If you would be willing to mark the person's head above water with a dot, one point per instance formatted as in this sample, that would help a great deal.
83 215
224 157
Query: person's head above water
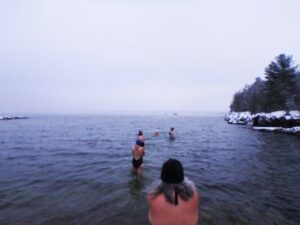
140 133
173 199
139 143
172 172
172 128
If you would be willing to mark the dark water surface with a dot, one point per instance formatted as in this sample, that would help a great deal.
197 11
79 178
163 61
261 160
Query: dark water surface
76 170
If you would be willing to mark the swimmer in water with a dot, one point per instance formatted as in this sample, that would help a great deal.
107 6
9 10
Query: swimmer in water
140 136
172 133
156 133
138 152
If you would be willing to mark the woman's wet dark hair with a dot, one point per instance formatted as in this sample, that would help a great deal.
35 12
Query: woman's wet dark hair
139 143
140 133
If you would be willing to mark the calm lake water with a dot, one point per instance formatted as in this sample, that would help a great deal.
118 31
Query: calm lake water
77 170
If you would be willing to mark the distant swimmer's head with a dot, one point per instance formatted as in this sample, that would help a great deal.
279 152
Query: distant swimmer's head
172 172
140 133
139 143
172 129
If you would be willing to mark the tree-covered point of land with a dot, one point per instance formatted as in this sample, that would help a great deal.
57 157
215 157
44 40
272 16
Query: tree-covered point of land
279 91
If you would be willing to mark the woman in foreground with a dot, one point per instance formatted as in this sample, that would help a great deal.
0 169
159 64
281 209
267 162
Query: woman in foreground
174 200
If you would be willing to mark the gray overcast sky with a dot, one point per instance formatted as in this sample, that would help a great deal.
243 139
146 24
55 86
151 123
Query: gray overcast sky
88 56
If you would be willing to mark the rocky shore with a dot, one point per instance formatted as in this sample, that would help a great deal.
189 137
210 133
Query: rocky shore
280 121
12 117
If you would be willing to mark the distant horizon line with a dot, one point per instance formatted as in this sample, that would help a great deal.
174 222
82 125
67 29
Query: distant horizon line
126 112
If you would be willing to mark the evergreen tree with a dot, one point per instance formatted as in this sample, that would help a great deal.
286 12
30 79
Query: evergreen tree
280 90
256 94
297 94
281 84
240 101
250 98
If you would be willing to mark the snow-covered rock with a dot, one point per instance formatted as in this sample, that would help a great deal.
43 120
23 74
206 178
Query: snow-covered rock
277 119
294 130
281 121
268 128
238 117
12 117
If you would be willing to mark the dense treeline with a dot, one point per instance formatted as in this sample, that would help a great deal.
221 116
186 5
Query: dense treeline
279 91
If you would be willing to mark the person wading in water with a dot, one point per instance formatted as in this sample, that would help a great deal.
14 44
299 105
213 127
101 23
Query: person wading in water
174 199
138 152
140 136
172 133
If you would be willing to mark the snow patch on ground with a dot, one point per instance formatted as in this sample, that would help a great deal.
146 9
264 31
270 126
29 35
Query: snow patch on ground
285 130
247 118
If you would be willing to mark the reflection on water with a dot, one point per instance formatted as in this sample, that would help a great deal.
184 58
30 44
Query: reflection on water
77 170
136 184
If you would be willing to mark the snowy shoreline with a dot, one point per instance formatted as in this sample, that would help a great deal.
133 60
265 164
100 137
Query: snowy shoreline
12 117
279 121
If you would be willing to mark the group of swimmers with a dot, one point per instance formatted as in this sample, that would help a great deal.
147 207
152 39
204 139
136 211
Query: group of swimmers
173 200
138 150
171 133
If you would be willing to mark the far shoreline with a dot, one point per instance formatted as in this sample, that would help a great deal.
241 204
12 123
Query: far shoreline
121 113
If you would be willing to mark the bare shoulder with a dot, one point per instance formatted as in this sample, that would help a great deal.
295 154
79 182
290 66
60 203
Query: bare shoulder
150 200
148 197
196 195
195 198
156 203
